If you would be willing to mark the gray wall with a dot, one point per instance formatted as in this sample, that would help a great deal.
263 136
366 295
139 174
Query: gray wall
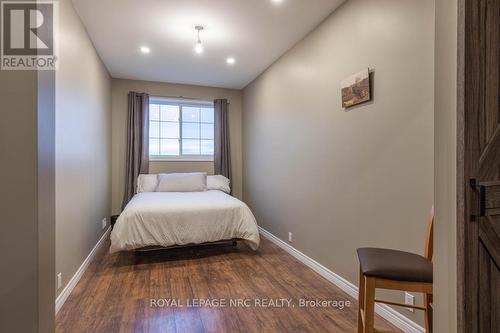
83 145
27 201
46 200
340 180
445 256
120 90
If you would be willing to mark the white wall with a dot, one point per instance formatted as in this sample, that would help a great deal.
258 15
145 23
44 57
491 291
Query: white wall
83 145
340 180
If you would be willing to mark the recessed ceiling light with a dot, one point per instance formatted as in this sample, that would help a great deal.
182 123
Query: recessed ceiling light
230 61
277 1
145 49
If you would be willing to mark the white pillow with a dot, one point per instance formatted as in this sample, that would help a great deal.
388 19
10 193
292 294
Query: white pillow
147 183
182 182
218 182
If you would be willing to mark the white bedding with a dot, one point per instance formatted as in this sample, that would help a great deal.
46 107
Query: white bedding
180 218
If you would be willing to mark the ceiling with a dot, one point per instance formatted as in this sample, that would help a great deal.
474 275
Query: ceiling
254 32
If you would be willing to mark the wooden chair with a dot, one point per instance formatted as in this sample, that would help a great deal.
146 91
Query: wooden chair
394 270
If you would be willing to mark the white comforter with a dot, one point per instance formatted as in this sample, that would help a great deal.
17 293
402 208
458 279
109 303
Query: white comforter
174 218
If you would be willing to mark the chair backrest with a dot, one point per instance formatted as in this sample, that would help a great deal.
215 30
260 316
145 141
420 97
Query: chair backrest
429 241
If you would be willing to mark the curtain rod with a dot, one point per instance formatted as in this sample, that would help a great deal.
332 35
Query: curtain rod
186 98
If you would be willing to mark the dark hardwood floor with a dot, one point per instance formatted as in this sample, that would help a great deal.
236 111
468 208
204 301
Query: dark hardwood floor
116 292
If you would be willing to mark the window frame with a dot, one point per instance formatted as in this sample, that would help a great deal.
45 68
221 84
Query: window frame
181 103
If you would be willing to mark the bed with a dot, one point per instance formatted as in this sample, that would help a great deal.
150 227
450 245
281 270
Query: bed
168 219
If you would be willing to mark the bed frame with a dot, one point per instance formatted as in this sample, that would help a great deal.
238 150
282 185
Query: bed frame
233 241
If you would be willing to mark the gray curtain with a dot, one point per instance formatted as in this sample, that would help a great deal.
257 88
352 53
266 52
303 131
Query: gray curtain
222 153
137 142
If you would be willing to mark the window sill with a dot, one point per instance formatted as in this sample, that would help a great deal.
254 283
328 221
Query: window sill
181 159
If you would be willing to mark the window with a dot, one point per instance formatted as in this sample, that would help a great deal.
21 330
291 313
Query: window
181 129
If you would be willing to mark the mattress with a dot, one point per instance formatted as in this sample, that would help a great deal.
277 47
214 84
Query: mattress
182 218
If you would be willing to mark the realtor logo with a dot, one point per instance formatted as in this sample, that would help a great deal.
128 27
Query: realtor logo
28 35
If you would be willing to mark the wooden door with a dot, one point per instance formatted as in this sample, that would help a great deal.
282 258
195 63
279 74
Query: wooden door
479 157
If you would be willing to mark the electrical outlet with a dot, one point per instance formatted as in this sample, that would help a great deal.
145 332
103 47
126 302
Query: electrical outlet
290 237
104 223
410 300
59 281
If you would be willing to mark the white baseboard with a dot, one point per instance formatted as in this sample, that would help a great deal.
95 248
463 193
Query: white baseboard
63 296
386 312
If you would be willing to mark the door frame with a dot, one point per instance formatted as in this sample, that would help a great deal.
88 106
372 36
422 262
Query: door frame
461 182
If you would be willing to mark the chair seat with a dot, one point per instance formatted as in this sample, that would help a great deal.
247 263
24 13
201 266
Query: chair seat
395 265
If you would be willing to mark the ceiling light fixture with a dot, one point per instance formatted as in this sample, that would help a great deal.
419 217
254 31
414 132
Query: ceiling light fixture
277 1
145 49
198 48
230 61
